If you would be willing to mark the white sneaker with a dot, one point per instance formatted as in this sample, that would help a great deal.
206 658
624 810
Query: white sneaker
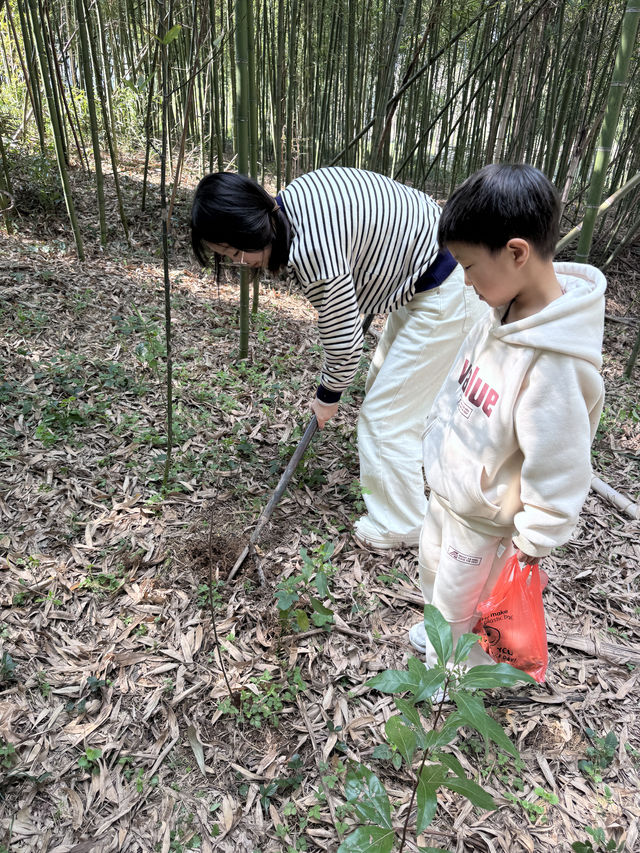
367 535
418 637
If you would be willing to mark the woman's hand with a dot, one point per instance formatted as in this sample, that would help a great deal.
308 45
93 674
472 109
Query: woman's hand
323 411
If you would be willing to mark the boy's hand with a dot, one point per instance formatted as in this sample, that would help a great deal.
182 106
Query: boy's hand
323 411
526 559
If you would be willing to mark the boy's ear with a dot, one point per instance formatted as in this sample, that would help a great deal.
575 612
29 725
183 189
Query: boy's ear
519 250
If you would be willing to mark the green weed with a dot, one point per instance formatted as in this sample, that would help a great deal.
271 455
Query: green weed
600 840
216 594
8 756
151 347
282 784
101 583
315 574
599 755
408 735
263 703
534 809
142 781
89 760
7 668
43 685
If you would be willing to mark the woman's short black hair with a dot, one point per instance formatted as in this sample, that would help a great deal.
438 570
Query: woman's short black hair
233 209
500 202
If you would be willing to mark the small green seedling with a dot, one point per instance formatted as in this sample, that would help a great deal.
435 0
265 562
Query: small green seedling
312 585
89 760
7 668
421 732
599 756
8 756
601 842
266 704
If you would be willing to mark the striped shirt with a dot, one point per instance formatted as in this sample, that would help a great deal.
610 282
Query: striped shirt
359 243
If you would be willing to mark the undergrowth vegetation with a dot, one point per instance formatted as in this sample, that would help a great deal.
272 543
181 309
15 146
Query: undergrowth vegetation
334 736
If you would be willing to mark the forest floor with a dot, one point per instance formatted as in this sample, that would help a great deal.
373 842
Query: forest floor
116 733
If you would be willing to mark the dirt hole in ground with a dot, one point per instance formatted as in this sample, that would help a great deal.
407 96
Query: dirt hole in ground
217 553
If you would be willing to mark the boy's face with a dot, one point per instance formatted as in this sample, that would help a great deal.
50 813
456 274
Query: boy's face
493 275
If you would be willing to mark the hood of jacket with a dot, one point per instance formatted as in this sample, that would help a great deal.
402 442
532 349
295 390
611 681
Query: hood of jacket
560 326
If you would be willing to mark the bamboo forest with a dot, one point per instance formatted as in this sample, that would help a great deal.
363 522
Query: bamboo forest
207 637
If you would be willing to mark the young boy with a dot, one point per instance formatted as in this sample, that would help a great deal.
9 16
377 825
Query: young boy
507 443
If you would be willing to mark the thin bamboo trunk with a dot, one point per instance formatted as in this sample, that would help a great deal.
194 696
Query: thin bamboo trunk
106 77
164 27
93 119
55 126
28 69
51 63
106 119
57 79
629 237
291 93
252 94
148 125
6 198
242 123
627 39
600 211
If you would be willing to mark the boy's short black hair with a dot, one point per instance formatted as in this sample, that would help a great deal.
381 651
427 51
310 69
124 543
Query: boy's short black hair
500 202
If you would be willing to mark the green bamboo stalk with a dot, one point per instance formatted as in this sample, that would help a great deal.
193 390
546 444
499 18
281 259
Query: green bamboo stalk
279 93
93 118
148 122
627 39
629 237
291 92
58 85
252 95
421 71
28 69
51 63
252 99
55 124
380 138
453 94
350 73
632 358
6 198
242 40
106 77
600 211
98 70
164 25
196 37
216 119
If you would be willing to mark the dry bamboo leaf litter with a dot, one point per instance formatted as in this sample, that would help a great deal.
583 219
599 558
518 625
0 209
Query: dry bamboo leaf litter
101 580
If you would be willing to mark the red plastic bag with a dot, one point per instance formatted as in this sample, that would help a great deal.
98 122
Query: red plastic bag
511 624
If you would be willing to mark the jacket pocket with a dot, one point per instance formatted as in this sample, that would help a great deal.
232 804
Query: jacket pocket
453 475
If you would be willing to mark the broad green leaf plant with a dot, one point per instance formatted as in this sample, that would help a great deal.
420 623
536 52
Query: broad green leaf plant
421 732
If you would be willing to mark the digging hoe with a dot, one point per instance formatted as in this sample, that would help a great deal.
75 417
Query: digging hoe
284 479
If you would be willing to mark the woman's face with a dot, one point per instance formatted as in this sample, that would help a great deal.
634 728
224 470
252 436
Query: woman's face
257 260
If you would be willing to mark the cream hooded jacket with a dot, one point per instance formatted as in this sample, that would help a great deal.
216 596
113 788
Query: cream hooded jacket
507 443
